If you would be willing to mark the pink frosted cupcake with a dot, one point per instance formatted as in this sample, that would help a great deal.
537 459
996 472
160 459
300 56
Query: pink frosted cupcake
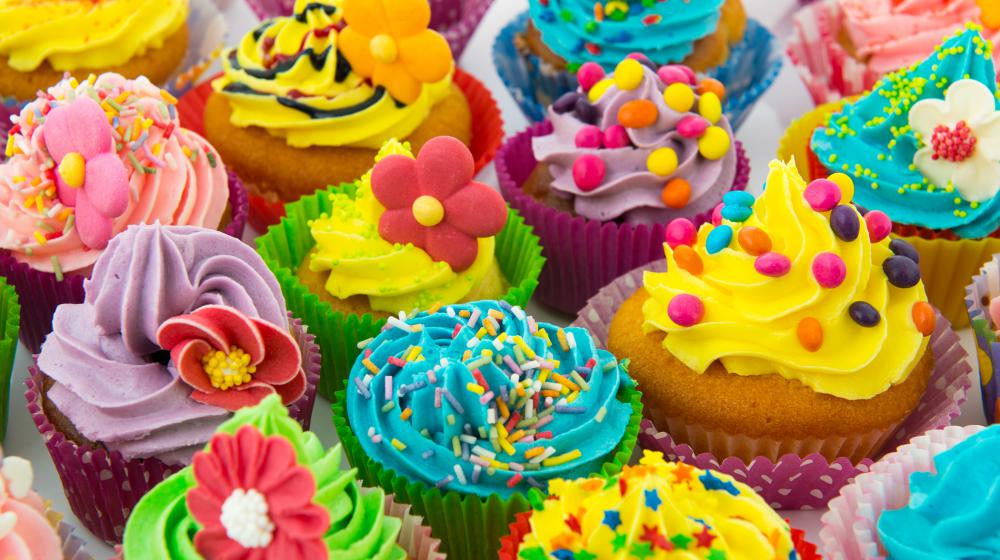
84 161
842 47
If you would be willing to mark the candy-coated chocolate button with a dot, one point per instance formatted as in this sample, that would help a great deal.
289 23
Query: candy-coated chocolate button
628 74
588 172
681 231
585 111
738 198
589 74
829 270
711 85
717 214
638 113
736 213
902 272
615 136
822 195
566 103
845 223
810 333
686 310
589 137
714 143
718 239
904 249
692 126
595 93
688 259
679 97
710 107
924 317
673 73
846 185
754 241
662 161
676 193
864 314
772 264
879 225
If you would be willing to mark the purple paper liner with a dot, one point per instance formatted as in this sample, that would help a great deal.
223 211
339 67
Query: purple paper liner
41 292
984 287
101 486
456 20
582 255
794 481
73 546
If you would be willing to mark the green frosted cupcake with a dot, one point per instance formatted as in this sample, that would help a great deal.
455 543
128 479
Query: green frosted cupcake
10 318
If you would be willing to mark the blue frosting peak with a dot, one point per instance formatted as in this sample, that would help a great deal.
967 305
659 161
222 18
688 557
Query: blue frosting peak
872 140
481 399
953 514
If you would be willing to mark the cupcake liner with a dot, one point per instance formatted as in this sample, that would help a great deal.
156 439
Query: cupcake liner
800 478
582 255
487 135
414 537
984 287
753 66
456 20
849 529
73 546
43 291
510 544
10 319
207 34
101 486
469 527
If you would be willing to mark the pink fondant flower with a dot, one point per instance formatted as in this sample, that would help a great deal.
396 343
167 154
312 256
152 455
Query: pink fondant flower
231 360
254 501
90 176
433 203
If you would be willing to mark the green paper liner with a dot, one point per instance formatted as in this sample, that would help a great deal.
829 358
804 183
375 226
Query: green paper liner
10 320
469 527
285 245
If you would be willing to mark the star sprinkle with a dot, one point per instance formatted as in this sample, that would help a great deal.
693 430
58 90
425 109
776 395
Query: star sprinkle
574 524
618 542
704 538
612 519
651 534
716 554
563 554
712 482
683 472
641 550
585 555
681 541
653 500
533 553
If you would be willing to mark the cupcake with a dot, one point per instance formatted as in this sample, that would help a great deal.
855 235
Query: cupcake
264 488
982 298
29 529
656 510
10 319
180 327
466 411
415 233
843 47
828 288
920 148
933 498
40 41
85 161
321 90
539 52
614 161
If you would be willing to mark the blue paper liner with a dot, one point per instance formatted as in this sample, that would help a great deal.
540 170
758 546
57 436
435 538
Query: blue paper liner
753 65
984 287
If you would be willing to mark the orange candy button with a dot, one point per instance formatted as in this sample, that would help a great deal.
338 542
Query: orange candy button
754 241
712 85
686 258
638 113
810 334
676 193
924 317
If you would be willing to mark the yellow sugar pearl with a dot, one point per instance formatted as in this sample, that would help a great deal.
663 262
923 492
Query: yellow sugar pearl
598 90
662 162
428 211
846 185
714 143
383 49
679 97
710 107
72 169
628 74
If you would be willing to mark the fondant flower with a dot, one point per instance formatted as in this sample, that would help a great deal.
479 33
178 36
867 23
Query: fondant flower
254 501
231 360
961 140
388 42
433 203
89 175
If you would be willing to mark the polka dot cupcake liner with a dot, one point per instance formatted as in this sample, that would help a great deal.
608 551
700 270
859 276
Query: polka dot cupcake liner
42 291
850 526
788 474
100 485
984 287
582 255
10 319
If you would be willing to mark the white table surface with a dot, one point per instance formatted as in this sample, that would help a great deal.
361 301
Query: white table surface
760 134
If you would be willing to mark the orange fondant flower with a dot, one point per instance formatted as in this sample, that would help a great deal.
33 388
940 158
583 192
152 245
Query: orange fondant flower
388 42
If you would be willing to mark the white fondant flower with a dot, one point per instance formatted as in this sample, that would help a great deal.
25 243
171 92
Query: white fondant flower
961 140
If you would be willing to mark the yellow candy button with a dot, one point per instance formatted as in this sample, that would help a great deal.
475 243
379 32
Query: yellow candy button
72 169
710 107
428 211
628 74
662 162
714 143
846 185
383 49
598 90
679 97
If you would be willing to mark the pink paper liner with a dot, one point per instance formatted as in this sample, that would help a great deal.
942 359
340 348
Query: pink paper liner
582 255
456 20
849 528
795 480
41 292
101 486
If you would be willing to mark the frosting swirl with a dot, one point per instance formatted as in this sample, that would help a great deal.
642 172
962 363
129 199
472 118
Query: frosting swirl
483 400
881 139
137 404
951 513
162 527
174 176
289 77
638 159
27 526
72 34
807 291
666 32
652 509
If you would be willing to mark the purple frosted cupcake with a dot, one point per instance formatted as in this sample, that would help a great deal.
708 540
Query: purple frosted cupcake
615 162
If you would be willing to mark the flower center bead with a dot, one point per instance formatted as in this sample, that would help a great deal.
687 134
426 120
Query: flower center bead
227 370
953 144
383 49
246 520
428 211
72 169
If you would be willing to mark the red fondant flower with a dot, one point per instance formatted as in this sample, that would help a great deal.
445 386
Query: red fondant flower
89 175
433 203
254 501
231 360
